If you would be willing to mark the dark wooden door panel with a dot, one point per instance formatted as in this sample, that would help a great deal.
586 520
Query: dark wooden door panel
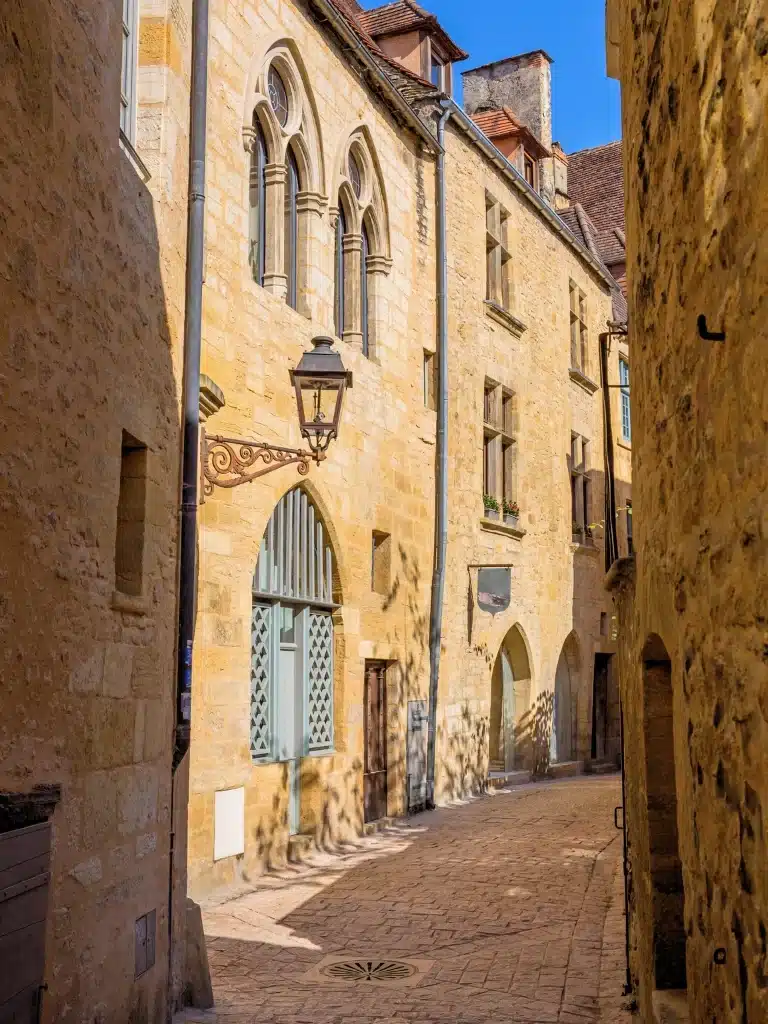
24 883
375 764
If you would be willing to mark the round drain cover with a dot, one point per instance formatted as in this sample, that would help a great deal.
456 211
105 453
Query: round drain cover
369 970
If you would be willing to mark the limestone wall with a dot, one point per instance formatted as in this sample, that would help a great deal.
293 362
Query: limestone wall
89 330
694 95
379 475
556 588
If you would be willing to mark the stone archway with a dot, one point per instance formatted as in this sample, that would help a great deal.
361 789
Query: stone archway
510 700
563 744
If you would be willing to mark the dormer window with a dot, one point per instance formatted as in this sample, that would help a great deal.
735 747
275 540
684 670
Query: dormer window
437 75
529 170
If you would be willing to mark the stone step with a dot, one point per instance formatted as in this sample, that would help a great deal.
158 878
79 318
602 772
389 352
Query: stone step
370 828
299 846
600 767
564 769
498 780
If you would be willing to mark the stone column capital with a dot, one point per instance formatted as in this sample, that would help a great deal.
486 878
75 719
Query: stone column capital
310 202
353 244
380 265
275 174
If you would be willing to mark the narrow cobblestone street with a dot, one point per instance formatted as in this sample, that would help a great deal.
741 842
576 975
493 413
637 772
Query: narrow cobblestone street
508 908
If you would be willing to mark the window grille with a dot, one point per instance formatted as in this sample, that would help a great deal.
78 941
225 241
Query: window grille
261 674
320 682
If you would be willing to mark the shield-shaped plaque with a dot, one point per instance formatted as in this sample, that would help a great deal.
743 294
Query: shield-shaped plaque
493 590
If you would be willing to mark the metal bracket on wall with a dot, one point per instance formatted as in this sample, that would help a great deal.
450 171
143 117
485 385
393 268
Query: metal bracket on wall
231 461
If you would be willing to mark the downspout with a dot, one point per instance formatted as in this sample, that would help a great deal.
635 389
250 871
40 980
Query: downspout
193 304
441 483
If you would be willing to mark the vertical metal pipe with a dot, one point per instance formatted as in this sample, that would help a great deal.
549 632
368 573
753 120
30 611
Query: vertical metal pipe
193 305
190 459
441 482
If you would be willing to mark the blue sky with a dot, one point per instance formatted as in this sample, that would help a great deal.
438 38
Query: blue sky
586 104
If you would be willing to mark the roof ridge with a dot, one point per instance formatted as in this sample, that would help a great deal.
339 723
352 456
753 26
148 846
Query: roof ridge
593 149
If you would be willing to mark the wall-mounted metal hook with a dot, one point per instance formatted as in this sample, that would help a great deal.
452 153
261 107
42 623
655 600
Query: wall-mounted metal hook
706 334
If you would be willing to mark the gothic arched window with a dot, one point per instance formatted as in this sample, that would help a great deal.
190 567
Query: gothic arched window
340 270
291 241
257 206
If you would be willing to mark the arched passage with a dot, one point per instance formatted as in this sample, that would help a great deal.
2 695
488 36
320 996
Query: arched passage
565 717
295 596
510 699
663 849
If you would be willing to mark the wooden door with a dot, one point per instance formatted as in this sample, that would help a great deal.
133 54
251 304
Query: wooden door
375 766
24 878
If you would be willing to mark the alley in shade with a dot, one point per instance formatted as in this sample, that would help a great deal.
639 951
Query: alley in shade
508 908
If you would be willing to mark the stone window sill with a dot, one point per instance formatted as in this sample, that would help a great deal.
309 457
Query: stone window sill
132 604
138 164
585 547
496 526
583 380
505 318
622 443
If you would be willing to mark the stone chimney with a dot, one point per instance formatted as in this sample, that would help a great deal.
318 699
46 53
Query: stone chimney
524 84
560 167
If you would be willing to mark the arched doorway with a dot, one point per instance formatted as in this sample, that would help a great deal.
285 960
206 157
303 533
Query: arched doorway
292 641
664 853
563 742
510 699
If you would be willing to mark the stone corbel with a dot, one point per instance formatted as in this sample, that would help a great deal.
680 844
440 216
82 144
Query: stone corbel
249 137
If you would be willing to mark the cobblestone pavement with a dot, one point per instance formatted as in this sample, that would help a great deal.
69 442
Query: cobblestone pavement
509 907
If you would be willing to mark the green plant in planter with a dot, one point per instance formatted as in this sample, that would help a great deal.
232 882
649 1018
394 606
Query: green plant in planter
490 503
511 508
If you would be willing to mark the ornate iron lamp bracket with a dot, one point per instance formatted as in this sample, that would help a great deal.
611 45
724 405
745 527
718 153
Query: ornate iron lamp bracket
230 461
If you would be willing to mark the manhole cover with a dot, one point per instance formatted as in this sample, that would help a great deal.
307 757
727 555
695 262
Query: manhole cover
369 970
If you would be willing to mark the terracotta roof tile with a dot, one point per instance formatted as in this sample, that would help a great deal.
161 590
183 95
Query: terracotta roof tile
501 123
596 180
405 16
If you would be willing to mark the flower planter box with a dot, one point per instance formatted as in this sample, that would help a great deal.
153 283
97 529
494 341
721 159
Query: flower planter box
491 513
511 520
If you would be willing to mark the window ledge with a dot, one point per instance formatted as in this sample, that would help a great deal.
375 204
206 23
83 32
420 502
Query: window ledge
583 380
133 604
622 443
505 318
585 548
496 526
139 165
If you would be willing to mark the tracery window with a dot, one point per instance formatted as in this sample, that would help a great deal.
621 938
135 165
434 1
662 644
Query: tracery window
361 246
286 176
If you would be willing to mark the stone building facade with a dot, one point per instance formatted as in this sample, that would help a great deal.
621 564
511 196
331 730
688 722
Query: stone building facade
692 604
311 690
91 259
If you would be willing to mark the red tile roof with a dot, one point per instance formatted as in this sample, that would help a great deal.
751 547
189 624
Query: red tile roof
596 181
501 123
405 16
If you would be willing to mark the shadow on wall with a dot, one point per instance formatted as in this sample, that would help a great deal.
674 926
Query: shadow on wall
464 768
534 732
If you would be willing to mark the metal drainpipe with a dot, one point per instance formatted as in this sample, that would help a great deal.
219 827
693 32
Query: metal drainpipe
193 304
441 496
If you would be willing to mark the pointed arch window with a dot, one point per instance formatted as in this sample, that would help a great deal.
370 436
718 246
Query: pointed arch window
340 269
364 305
291 249
292 635
257 205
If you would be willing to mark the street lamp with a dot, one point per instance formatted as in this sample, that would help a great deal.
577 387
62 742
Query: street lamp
320 381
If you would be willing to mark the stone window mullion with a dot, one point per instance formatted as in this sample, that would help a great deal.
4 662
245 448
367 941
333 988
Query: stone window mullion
353 254
275 280
309 207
